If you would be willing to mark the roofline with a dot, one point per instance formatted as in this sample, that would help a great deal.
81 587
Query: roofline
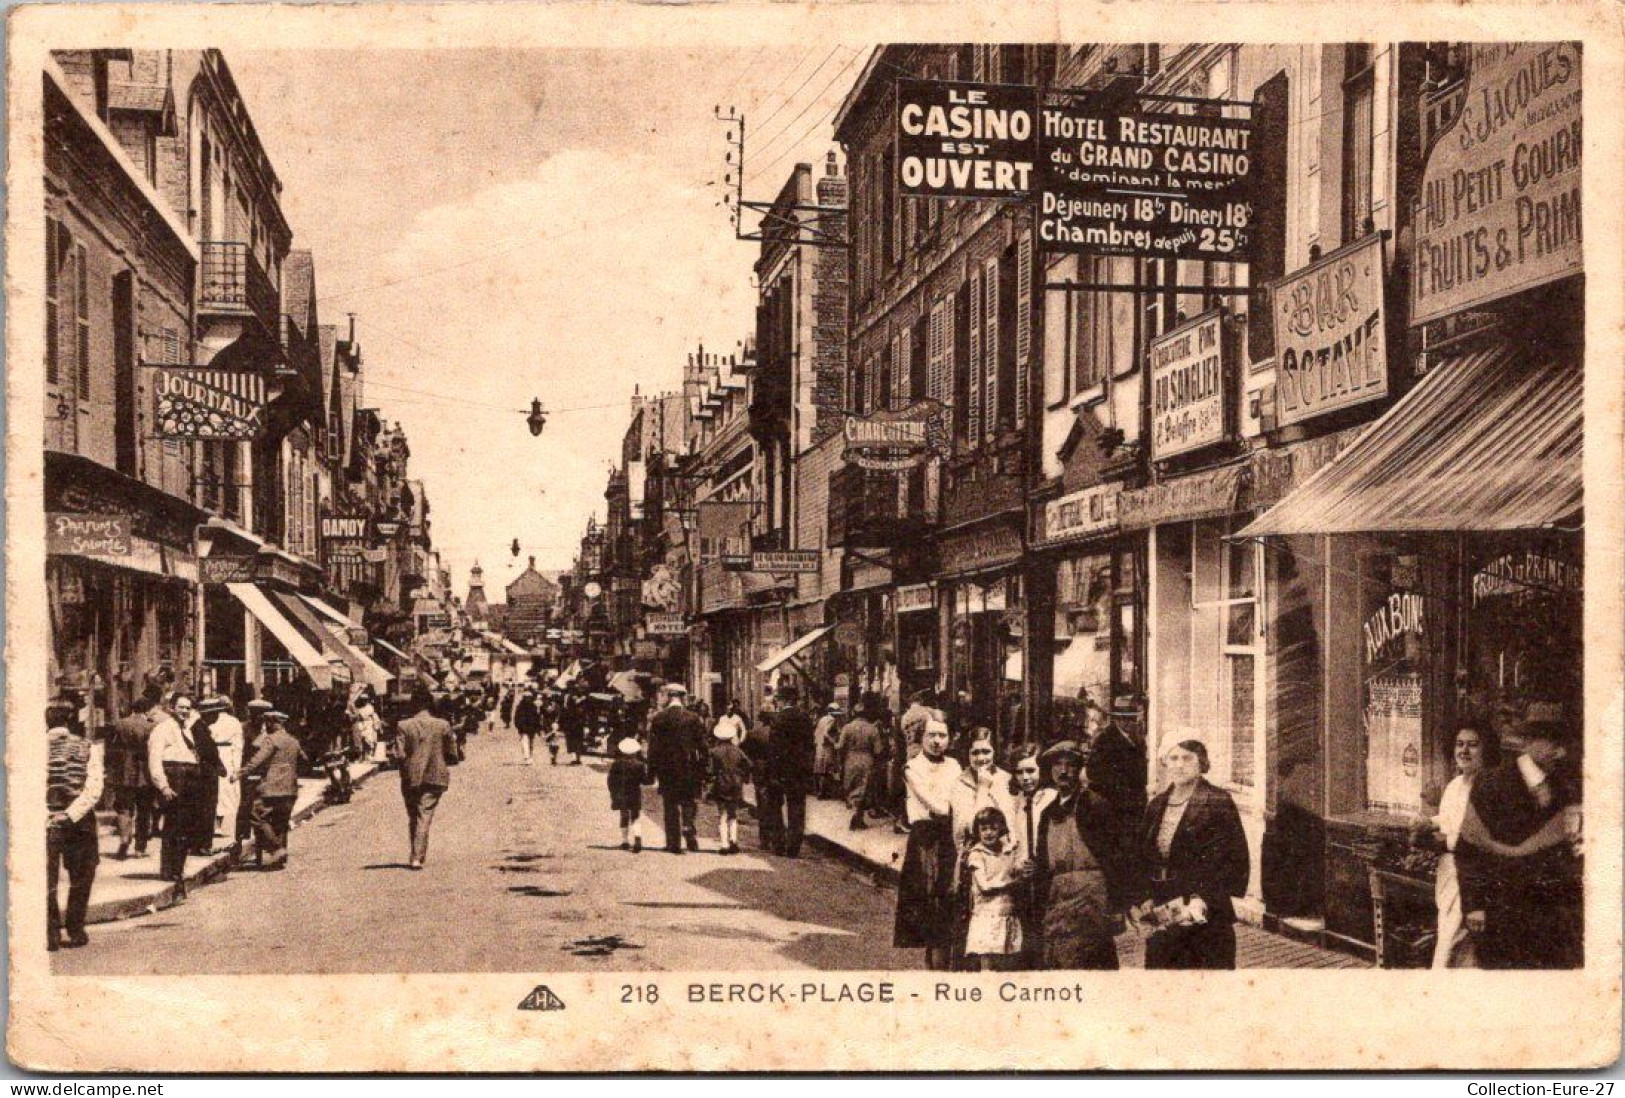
110 143
859 88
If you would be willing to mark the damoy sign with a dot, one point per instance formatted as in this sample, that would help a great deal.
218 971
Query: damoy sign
338 529
1187 387
1122 181
964 140
1331 328
1499 210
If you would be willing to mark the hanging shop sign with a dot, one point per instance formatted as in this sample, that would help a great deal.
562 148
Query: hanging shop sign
915 597
192 402
1275 473
964 140
896 439
1116 179
1499 210
341 529
1331 327
229 568
1199 496
87 535
787 560
1188 390
1082 514
665 625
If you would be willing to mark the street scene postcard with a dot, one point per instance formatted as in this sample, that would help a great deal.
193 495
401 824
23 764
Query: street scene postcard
808 538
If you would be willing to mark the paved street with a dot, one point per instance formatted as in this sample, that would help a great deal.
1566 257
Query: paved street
525 874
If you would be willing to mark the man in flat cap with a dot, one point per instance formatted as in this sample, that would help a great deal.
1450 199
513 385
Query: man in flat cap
1520 883
275 763
1082 872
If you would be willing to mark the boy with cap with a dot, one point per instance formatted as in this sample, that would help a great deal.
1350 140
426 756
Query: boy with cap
627 777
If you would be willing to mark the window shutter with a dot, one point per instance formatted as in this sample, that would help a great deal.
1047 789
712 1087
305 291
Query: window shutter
52 290
975 364
902 367
990 353
81 312
1024 321
938 342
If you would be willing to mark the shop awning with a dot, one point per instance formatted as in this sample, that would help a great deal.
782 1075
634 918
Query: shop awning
334 615
794 648
305 654
387 647
1488 441
362 668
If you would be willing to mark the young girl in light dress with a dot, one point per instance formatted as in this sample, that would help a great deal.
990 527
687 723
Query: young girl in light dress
993 936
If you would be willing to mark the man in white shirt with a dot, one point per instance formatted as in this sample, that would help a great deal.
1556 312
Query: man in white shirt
172 762
73 786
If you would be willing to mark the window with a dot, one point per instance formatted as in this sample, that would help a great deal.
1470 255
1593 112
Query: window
1359 140
1024 319
992 360
54 260
1226 617
892 210
1007 396
919 363
883 385
959 325
973 389
81 315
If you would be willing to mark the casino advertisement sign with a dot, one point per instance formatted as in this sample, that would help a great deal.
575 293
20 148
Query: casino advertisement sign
957 139
1120 180
191 402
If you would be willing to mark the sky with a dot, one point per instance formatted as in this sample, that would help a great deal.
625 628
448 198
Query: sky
539 223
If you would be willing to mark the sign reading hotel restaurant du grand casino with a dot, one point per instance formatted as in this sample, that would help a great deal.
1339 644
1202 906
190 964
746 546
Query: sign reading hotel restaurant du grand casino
1499 210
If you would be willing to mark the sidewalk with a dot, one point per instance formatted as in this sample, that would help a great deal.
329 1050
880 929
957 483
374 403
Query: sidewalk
133 887
879 850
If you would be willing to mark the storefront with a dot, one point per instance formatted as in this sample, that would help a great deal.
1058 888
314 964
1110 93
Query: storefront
121 576
980 597
1085 600
915 626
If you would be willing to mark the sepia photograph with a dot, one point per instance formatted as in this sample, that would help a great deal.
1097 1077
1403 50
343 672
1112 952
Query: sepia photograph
581 511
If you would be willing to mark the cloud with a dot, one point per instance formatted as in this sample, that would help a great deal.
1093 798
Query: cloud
596 273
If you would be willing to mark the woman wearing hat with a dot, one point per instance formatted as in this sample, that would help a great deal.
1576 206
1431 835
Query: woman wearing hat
926 912
1194 854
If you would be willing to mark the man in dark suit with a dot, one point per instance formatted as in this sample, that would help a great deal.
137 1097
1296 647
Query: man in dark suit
678 753
1520 886
427 746
782 795
1117 767
275 763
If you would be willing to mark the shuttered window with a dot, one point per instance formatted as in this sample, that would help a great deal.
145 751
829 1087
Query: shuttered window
975 364
990 352
53 273
1024 321
81 316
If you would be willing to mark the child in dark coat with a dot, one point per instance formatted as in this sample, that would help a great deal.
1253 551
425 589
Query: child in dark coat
730 770
628 774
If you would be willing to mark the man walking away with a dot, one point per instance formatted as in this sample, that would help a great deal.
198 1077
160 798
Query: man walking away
253 728
127 777
427 747
527 721
790 765
678 756
73 786
276 763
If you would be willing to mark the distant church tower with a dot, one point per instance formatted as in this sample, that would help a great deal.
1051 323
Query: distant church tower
478 610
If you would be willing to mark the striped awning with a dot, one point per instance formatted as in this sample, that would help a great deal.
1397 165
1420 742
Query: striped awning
1488 441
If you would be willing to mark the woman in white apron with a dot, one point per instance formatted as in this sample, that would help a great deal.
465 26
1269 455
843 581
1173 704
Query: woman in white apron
1454 947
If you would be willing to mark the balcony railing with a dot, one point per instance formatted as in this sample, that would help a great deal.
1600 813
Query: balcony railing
234 283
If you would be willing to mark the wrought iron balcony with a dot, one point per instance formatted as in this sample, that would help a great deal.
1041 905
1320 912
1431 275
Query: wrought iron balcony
234 284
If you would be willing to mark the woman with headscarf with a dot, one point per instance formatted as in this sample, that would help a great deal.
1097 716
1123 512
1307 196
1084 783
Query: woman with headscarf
1194 854
926 912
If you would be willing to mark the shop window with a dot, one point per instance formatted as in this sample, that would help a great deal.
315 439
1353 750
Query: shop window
1226 648
1096 634
1395 627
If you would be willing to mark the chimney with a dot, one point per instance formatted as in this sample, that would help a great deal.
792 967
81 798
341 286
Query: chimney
352 329
832 188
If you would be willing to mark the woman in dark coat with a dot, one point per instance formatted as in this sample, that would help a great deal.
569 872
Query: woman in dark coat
1195 856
